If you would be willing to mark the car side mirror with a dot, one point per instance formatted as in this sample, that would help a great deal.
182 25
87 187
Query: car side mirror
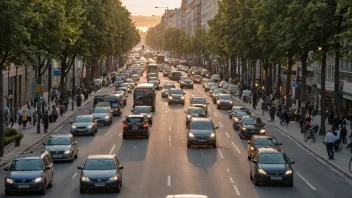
44 144
6 169
216 127
80 168
280 143
293 162
120 167
255 161
47 168
249 142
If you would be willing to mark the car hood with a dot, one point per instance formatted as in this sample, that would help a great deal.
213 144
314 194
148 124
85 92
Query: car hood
99 173
57 147
201 132
253 126
100 115
198 105
176 95
145 114
227 101
82 124
24 174
196 115
274 167
262 146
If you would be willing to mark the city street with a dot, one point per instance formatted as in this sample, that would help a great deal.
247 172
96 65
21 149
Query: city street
163 165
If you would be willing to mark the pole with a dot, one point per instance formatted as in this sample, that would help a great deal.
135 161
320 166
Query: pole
73 85
49 82
38 90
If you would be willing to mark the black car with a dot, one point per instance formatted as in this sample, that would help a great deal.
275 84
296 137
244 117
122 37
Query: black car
166 88
29 172
270 165
135 125
101 172
186 83
201 132
236 118
166 72
176 96
194 112
197 79
224 100
197 101
236 109
260 141
251 125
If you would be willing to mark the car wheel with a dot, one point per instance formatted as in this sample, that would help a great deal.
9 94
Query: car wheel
189 145
150 122
118 189
218 107
82 190
256 182
214 145
249 156
169 103
214 102
183 103
124 104
43 191
147 136
8 193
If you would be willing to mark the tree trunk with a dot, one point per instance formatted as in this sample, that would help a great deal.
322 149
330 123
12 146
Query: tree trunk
337 94
39 112
303 85
243 61
1 114
278 91
266 76
254 75
288 81
271 78
322 92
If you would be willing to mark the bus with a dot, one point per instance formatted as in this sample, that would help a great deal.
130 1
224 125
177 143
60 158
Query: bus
144 95
152 68
160 59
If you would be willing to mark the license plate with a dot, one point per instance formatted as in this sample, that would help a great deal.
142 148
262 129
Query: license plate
23 186
100 184
135 127
57 156
201 140
276 178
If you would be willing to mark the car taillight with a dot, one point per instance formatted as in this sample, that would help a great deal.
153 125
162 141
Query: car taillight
145 125
125 126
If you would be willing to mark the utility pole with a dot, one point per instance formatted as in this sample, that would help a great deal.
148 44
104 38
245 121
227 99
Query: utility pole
49 81
73 85
39 91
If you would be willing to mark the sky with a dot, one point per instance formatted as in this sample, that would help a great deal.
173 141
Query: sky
147 7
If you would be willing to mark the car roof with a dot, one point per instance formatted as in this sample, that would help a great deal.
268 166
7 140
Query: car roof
142 107
201 119
86 115
135 116
270 150
263 136
100 156
198 97
31 155
195 108
224 94
61 135
175 89
187 196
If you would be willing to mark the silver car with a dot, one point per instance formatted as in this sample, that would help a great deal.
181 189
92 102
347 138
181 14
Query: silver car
155 83
62 147
84 124
143 110
103 115
128 86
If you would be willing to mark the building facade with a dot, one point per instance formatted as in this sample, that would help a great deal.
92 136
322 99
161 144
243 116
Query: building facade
209 8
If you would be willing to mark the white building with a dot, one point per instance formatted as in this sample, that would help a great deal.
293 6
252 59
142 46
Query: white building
209 10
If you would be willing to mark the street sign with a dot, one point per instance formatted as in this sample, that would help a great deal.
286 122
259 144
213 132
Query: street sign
57 72
295 85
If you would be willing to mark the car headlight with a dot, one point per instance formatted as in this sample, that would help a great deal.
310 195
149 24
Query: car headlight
188 116
83 178
149 116
89 126
252 148
190 134
230 102
212 135
9 180
73 126
114 178
170 97
218 102
38 180
261 171
192 72
288 172
262 131
67 151
107 117
182 98
244 129
236 119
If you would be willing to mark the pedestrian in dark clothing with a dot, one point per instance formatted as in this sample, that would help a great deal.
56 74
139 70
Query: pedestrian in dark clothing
286 118
336 122
331 117
46 121
343 134
12 117
61 108
272 113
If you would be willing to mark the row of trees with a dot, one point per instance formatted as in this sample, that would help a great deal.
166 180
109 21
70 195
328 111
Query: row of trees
34 32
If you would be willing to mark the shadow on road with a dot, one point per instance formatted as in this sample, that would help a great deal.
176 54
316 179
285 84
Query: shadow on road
201 156
133 149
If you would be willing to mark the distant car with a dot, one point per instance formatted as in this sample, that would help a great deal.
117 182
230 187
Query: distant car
135 125
103 115
152 79
155 83
124 89
225 86
176 96
205 73
204 81
260 141
197 79
224 100
100 172
212 89
216 78
234 90
143 110
124 96
166 88
135 77
62 147
251 125
201 132
194 112
208 85
84 124
197 101
182 78
128 86
186 83
166 72
269 165
29 172
131 82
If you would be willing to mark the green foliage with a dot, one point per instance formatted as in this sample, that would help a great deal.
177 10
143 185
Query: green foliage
11 135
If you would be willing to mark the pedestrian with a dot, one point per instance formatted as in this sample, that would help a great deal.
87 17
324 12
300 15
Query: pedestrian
12 117
35 117
329 141
19 115
61 108
24 118
286 118
343 134
29 114
272 113
336 121
46 121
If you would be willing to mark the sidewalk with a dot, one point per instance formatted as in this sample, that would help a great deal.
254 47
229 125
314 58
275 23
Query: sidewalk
293 131
31 138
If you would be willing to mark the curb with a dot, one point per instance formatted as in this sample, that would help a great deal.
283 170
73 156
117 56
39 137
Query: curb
341 173
49 132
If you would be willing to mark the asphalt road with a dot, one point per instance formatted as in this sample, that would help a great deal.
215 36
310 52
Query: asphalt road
163 165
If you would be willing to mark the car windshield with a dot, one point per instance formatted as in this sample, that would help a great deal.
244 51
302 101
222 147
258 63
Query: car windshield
199 111
266 141
114 105
217 90
100 164
59 141
141 110
80 119
196 77
202 126
225 97
198 101
26 165
216 77
176 91
252 121
101 110
143 95
241 113
132 120
270 158
169 86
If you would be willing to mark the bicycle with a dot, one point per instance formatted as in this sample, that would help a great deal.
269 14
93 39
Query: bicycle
309 134
350 165
338 146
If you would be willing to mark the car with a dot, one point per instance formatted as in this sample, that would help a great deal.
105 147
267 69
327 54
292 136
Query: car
226 86
135 125
222 83
251 125
201 131
205 81
118 80
143 110
269 165
124 89
194 112
186 83
182 78
198 101
234 90
84 124
205 73
212 89
131 82
236 109
100 172
62 147
166 72
128 86
29 172
236 118
260 141
224 100
197 79
155 83
215 93
135 78
152 79
216 78
208 85
103 115
124 96
153 75
176 96
165 89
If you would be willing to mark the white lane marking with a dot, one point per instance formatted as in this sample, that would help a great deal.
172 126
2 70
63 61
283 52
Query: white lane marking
215 114
236 189
169 138
227 135
74 175
169 128
220 153
120 134
221 125
134 147
166 111
112 149
169 180
231 180
238 150
228 170
310 185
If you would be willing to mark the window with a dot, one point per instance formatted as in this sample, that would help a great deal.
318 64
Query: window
196 111
266 141
100 164
26 165
202 126
59 141
268 158
143 95
133 120
252 121
80 119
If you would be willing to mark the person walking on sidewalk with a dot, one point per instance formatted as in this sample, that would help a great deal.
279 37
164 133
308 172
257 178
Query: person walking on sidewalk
12 117
29 114
329 141
46 121
19 115
35 117
272 113
24 118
